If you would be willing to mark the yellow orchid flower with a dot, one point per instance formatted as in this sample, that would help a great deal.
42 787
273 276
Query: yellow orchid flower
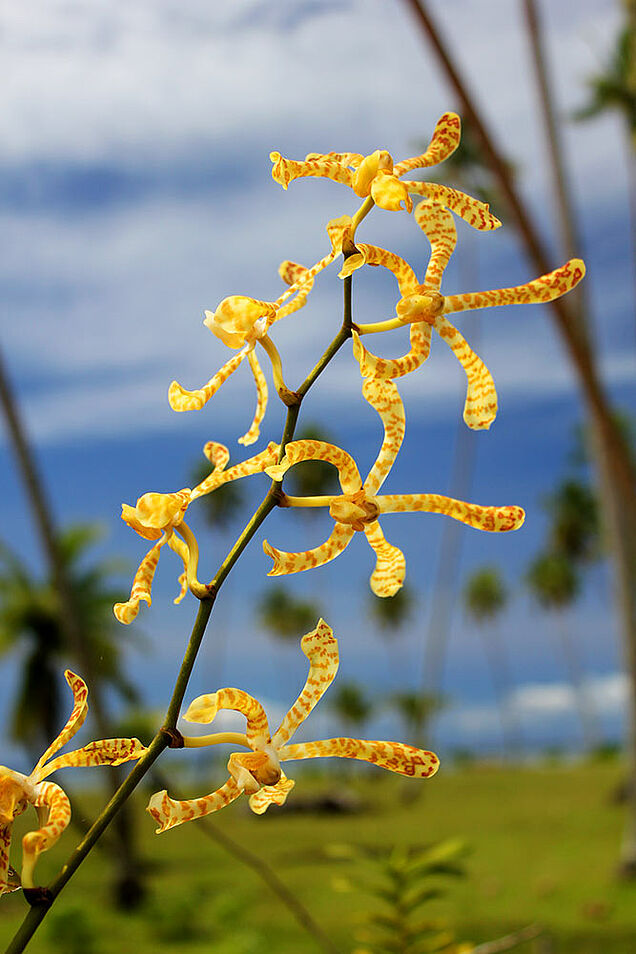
375 176
18 791
423 308
241 322
359 506
258 772
160 517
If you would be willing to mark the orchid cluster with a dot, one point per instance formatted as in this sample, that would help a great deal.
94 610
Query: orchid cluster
242 323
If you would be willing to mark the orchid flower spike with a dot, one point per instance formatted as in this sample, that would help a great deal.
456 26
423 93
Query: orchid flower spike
241 322
423 308
18 791
258 772
160 517
358 507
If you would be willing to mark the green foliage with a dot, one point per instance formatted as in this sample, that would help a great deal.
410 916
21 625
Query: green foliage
615 88
351 703
402 882
71 931
485 594
553 581
284 615
574 521
31 617
417 709
392 612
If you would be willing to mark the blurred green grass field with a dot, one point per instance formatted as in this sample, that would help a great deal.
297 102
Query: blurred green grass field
543 842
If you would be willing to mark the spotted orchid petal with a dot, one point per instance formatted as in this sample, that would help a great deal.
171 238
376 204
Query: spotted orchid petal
54 809
102 752
477 214
285 563
217 454
321 649
384 397
204 709
480 408
142 585
182 400
373 255
169 812
390 563
326 166
239 319
9 879
437 224
73 724
253 465
491 519
394 756
252 434
155 512
372 366
543 289
304 277
308 449
268 795
444 142
353 159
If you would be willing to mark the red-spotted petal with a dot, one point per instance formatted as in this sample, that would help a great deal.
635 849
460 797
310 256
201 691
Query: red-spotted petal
444 142
308 449
480 408
261 401
285 562
389 368
492 519
55 809
476 213
439 228
394 756
74 723
103 752
373 255
384 397
285 171
268 795
321 649
390 565
204 709
142 585
169 812
182 400
543 289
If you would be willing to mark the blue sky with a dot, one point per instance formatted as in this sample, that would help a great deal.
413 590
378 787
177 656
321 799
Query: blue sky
135 191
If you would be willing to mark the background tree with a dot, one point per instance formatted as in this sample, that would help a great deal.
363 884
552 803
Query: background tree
555 584
485 596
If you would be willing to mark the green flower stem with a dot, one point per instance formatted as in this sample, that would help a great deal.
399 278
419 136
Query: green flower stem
38 911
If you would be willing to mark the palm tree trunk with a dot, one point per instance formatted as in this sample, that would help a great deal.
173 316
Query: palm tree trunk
614 466
584 703
495 652
129 888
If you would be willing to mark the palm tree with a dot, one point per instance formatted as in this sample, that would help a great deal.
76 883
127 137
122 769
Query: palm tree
351 705
574 521
416 710
30 617
485 596
390 614
555 584
285 616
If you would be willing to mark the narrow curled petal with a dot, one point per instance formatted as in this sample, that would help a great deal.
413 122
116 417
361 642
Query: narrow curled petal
480 408
439 228
103 752
390 564
492 519
55 807
384 397
182 400
168 812
444 142
321 649
388 368
344 158
307 449
74 723
477 214
292 272
217 454
394 756
285 171
339 232
373 255
142 585
285 562
253 465
261 401
543 289
204 709
268 795
304 282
